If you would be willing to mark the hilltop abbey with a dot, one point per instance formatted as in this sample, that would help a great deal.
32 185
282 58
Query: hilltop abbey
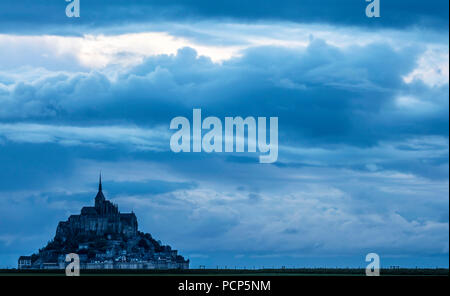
104 238
103 218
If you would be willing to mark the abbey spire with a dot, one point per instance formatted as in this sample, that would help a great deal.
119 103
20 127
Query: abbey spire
99 198
100 183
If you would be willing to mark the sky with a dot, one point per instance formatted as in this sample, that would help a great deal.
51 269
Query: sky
362 105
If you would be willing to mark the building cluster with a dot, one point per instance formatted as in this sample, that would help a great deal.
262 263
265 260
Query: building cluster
104 238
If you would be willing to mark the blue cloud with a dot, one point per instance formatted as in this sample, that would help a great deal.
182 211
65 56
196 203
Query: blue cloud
148 187
29 16
346 96
363 160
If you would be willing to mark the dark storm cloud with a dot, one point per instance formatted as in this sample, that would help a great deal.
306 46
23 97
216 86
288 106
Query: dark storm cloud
29 15
323 95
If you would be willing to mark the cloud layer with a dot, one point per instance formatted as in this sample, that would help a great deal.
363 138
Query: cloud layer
29 15
363 129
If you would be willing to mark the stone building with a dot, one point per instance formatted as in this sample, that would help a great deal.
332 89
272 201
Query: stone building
24 262
103 218
104 238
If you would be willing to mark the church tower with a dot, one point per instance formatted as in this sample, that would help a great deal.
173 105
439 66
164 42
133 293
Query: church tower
102 206
99 198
